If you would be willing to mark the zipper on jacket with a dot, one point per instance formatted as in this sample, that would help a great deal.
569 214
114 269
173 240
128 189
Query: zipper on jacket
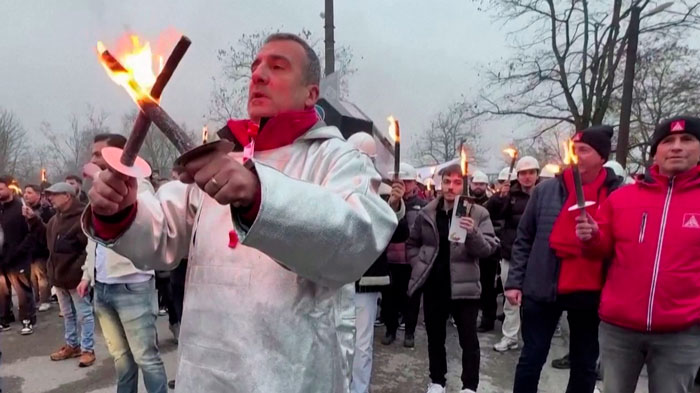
659 246
642 227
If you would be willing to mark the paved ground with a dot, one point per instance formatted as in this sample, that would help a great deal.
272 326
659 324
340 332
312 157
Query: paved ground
26 367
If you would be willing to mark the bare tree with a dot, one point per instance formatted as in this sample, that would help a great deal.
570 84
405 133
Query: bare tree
667 84
69 151
566 71
546 148
13 144
440 142
230 93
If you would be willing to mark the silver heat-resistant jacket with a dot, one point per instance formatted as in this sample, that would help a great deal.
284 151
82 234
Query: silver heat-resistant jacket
276 313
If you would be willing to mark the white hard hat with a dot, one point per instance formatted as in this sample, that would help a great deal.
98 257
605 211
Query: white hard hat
407 172
549 171
363 142
617 168
480 177
527 163
503 174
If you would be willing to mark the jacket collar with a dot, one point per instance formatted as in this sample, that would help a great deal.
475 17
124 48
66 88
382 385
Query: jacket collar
653 178
611 183
76 209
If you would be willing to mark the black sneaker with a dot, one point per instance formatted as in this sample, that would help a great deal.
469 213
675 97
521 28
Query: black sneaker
562 364
171 384
388 339
5 327
27 328
409 341
378 323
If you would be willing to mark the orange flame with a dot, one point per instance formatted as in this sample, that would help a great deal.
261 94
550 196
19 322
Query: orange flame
43 175
428 184
570 156
512 153
554 168
464 164
393 129
15 188
205 134
137 59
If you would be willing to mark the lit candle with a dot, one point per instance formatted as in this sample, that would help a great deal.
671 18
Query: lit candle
395 133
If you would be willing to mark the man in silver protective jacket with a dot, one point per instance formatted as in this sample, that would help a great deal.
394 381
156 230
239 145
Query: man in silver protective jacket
274 244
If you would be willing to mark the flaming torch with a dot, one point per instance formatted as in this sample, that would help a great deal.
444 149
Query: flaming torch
464 164
43 175
395 133
513 157
135 73
205 135
571 159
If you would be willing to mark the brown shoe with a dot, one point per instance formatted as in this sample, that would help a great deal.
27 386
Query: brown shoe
87 358
66 352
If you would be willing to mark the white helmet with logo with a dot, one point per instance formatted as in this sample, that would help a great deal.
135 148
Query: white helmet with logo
503 175
480 177
364 142
407 172
527 163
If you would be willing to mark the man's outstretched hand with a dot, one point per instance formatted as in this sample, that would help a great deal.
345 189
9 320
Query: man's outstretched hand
223 178
111 193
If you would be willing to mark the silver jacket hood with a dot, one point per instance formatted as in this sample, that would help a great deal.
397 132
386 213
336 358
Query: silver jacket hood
275 313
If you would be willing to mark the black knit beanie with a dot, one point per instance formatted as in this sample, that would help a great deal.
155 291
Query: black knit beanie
598 137
679 124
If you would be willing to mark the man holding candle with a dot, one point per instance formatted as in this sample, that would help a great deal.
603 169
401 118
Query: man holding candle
448 274
274 246
549 273
650 305
507 207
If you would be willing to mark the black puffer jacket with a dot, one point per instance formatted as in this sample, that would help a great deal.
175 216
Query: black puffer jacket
17 246
508 210
534 268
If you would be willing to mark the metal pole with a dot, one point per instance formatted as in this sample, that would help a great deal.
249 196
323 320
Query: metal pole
628 88
330 40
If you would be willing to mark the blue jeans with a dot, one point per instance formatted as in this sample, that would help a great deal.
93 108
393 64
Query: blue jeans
76 311
127 314
539 320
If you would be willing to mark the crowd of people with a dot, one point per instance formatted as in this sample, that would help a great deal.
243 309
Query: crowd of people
289 243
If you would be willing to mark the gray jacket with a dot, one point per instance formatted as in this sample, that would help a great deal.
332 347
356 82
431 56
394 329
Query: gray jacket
423 245
534 268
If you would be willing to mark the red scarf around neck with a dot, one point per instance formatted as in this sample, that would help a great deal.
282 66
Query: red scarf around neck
278 131
577 272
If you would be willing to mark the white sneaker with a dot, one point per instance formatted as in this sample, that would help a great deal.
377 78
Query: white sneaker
505 345
44 307
435 388
466 391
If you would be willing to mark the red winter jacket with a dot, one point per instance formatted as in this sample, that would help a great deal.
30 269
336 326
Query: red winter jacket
651 230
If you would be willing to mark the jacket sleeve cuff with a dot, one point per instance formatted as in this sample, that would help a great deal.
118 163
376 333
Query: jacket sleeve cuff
248 216
110 227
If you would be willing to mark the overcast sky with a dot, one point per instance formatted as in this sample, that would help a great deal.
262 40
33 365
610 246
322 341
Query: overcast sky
413 57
